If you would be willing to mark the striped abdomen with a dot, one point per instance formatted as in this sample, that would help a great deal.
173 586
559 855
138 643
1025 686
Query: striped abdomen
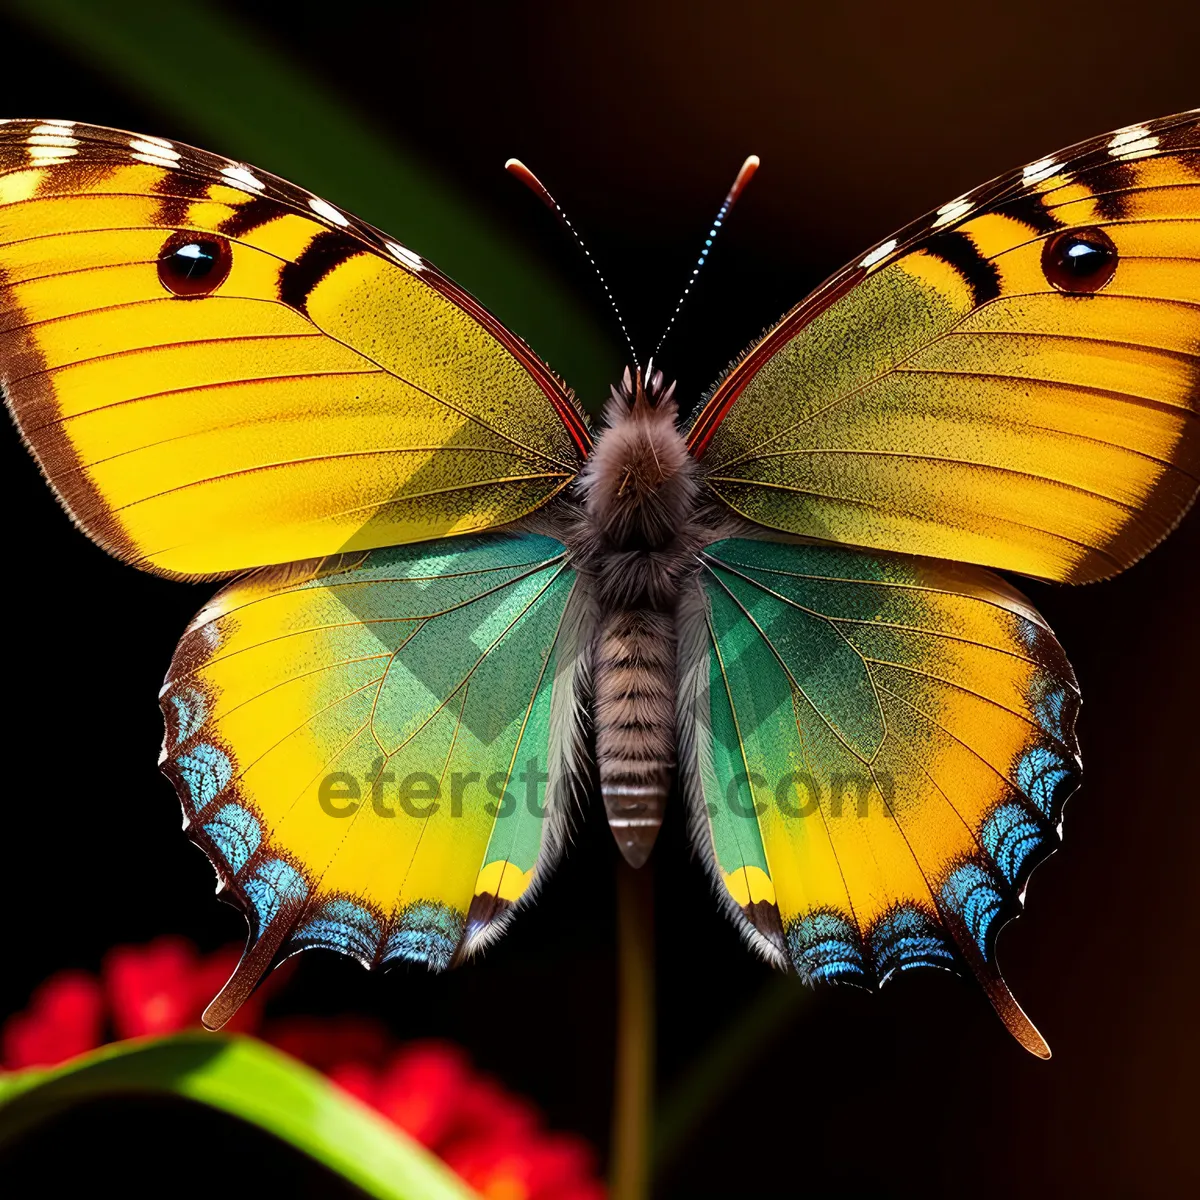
635 542
635 725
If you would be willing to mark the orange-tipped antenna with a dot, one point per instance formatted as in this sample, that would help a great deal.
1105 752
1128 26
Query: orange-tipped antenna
739 185
535 185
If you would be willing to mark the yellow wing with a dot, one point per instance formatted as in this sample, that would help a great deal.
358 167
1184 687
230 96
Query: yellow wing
880 752
1012 381
374 750
218 370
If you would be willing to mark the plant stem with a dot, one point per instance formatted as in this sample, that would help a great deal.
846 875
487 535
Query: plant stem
634 1081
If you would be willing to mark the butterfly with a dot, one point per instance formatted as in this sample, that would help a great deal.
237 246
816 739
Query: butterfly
454 601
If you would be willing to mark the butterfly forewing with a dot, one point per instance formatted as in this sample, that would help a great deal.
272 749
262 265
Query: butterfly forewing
1012 381
217 370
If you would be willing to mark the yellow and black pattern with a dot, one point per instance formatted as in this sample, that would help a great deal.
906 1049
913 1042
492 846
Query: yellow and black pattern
317 387
1013 380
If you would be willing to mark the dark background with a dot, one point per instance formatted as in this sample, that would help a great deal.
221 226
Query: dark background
637 116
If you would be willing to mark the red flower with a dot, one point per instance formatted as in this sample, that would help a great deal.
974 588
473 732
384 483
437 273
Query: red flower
326 1044
422 1089
64 1018
154 989
486 1106
493 1139
163 987
150 987
548 1166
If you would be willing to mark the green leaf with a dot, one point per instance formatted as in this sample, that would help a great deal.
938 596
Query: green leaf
246 99
246 1079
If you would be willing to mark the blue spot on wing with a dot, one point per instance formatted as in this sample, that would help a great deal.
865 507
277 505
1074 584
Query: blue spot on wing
235 833
1041 771
273 885
1011 836
206 772
825 946
191 711
1050 709
971 894
1029 633
427 932
344 926
909 938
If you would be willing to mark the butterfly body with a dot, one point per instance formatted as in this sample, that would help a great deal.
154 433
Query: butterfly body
636 541
443 590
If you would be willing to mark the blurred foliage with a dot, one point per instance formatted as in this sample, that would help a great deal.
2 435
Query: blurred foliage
246 99
246 1079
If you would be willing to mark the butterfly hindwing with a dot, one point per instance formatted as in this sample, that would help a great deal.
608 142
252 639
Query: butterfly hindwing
332 392
945 397
374 749
879 751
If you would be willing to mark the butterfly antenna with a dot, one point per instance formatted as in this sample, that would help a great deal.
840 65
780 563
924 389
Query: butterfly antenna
535 185
739 185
